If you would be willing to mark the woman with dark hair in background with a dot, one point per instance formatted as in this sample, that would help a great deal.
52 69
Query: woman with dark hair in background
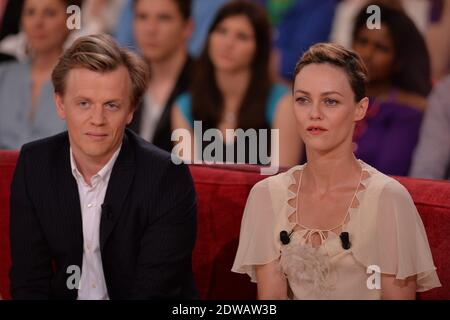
232 87
27 109
399 79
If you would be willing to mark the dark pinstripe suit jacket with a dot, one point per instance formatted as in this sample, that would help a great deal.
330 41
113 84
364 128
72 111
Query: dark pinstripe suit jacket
147 229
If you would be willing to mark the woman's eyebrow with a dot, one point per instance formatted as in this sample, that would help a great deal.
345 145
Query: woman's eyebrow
322 94
330 92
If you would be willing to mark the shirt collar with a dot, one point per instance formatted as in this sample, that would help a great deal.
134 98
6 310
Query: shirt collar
104 172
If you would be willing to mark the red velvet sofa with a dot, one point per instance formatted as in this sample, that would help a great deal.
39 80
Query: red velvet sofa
222 193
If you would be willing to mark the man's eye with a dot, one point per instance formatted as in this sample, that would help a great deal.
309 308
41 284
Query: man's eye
112 106
83 104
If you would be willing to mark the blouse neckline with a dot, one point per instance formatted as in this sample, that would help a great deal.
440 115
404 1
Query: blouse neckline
306 231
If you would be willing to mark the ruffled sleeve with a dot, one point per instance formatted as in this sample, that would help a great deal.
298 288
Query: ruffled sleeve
256 240
390 234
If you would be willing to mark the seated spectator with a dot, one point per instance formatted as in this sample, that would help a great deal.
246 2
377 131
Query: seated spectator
203 12
347 10
432 156
96 16
232 87
27 109
162 28
398 83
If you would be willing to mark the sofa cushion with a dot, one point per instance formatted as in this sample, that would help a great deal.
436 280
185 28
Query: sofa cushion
222 193
7 164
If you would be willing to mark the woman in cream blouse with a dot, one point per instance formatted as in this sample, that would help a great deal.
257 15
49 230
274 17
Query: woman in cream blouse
334 228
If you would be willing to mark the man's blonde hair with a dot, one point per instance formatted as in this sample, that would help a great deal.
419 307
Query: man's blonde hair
100 53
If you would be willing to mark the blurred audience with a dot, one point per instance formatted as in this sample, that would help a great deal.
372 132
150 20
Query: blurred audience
203 13
97 16
10 11
27 109
162 29
298 24
232 87
432 156
438 40
347 10
399 81
431 17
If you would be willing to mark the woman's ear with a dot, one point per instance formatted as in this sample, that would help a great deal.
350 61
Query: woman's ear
361 109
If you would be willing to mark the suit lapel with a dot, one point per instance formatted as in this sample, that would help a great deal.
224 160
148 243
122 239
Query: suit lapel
119 184
66 190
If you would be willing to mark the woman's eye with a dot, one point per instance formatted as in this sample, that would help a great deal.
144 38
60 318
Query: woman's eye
331 102
243 37
301 100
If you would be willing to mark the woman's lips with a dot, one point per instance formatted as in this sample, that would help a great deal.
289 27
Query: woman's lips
313 130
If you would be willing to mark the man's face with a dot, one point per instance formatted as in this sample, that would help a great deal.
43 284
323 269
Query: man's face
159 28
96 107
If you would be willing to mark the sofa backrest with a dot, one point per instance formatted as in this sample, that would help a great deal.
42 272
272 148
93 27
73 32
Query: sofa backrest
222 192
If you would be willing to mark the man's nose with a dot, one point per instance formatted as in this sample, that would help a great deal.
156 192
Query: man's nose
98 115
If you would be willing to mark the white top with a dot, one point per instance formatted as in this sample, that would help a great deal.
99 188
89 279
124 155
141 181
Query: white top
150 117
92 284
384 228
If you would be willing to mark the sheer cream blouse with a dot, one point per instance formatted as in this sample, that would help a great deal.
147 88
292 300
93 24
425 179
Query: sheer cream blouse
385 231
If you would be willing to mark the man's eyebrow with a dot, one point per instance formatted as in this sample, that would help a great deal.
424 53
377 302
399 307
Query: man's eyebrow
81 97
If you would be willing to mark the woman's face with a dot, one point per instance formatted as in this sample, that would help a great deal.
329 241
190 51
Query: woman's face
44 23
325 108
232 44
376 48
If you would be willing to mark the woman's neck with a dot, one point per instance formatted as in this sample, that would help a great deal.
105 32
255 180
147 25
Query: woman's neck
323 173
233 85
44 62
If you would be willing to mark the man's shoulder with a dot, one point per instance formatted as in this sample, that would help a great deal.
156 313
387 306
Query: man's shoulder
151 157
46 146
154 164
148 151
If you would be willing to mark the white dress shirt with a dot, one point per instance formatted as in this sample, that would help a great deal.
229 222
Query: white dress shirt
92 284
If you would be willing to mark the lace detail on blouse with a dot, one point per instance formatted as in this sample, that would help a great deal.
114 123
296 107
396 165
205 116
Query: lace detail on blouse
305 265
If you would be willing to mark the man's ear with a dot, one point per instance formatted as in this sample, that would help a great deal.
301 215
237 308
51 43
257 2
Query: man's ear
361 109
130 117
189 28
60 109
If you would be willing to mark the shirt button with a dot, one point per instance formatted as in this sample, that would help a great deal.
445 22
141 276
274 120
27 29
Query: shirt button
90 205
94 286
